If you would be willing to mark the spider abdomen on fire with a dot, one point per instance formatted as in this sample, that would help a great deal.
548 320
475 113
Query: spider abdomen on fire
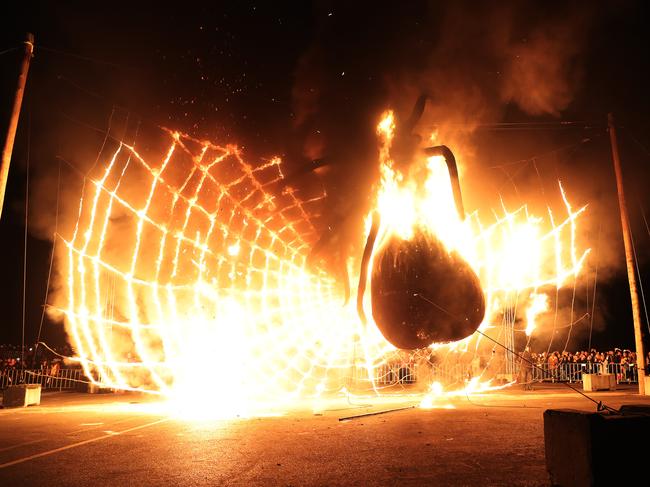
421 293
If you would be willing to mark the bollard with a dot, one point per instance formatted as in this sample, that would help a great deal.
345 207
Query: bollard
22 395
599 382
578 446
97 389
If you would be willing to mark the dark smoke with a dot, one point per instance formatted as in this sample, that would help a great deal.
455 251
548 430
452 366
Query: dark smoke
476 61
220 72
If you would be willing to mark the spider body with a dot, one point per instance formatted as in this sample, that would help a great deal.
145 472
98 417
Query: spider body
422 294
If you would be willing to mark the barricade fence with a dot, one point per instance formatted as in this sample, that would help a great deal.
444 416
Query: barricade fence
572 372
385 375
392 374
60 380
404 374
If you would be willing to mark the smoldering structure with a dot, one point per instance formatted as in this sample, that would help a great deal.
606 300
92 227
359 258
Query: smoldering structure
454 61
273 287
421 292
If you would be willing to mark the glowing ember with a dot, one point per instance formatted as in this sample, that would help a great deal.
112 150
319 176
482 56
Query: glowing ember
438 398
188 277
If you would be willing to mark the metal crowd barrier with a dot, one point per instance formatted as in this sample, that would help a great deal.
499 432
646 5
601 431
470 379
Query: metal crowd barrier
385 375
63 379
389 374
392 374
572 372
401 374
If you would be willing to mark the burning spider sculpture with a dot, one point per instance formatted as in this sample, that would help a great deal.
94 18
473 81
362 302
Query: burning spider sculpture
421 293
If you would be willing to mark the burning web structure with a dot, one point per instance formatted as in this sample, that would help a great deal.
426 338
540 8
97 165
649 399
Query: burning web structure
193 265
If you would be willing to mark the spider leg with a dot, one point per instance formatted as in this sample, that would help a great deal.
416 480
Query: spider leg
445 152
365 260
416 113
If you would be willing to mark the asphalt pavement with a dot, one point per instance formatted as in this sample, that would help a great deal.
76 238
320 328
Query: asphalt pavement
110 439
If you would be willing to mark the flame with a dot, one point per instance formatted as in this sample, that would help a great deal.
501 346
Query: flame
538 304
511 255
192 271
438 397
187 277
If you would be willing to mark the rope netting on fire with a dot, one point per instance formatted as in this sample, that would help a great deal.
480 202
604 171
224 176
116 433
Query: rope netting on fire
189 263
197 261
552 302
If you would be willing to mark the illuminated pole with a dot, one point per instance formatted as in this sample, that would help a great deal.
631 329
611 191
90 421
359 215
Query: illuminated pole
8 146
629 259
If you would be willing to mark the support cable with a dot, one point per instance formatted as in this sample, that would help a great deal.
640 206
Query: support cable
599 404
49 273
11 49
593 300
29 131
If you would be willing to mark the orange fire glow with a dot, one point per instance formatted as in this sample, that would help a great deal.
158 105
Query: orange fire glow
189 275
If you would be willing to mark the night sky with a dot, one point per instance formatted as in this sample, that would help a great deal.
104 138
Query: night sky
309 80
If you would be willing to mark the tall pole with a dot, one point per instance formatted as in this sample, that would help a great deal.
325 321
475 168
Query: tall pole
8 145
629 259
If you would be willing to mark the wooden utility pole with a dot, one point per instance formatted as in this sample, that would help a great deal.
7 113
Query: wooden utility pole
629 258
8 146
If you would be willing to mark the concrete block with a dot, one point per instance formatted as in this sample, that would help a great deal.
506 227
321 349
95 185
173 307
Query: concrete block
635 409
22 395
578 447
98 389
504 378
599 382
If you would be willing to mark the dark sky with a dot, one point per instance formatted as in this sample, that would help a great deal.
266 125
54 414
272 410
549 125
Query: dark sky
306 80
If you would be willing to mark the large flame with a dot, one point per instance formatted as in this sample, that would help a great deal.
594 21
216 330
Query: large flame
188 277
513 254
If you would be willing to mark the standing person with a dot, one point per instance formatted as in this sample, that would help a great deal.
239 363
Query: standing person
56 366
604 364
52 372
553 361
526 369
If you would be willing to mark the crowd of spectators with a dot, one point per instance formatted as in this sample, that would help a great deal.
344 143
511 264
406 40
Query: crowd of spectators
35 357
616 356
559 364
39 357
